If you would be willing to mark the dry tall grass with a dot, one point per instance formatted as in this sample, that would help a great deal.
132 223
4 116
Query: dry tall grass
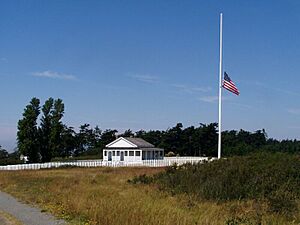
103 196
7 219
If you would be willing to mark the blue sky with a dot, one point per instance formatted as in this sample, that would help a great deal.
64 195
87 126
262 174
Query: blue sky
150 64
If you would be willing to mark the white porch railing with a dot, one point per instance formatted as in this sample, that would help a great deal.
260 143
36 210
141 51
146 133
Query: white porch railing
167 161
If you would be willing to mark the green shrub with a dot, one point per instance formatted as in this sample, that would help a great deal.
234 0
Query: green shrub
242 221
235 221
282 201
142 179
67 166
274 178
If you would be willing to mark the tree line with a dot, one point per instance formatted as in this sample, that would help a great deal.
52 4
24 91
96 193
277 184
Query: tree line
42 141
43 136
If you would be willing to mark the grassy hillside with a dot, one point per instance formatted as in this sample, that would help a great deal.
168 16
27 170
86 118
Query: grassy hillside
103 196
273 179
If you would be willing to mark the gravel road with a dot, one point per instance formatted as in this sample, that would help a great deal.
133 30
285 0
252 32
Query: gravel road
4 221
26 214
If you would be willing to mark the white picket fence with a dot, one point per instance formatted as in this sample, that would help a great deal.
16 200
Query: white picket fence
167 161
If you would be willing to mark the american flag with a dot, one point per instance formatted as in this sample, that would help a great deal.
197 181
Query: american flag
229 85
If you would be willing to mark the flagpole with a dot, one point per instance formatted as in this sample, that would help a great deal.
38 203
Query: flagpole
220 86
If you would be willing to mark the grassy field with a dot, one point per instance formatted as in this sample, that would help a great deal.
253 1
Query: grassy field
103 196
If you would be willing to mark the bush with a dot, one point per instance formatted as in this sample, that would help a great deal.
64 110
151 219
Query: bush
282 201
170 154
10 161
71 159
274 178
67 166
142 179
236 221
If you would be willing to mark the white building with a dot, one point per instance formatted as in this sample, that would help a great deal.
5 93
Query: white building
131 150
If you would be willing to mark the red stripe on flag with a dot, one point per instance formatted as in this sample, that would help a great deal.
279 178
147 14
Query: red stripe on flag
230 87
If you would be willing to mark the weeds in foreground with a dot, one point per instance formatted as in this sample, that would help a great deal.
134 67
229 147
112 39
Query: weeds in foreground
92 196
270 178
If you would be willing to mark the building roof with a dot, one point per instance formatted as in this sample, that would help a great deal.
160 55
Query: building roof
139 142
152 149
128 142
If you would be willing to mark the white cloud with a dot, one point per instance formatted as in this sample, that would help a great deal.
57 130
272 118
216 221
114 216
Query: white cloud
144 78
189 89
272 88
209 99
54 75
294 111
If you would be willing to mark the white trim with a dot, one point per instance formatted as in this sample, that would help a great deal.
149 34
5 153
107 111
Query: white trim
168 161
123 139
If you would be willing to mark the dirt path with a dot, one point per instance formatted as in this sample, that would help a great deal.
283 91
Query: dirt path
26 214
6 219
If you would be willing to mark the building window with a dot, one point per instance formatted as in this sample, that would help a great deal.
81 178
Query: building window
126 152
143 155
105 153
114 153
131 153
137 153
118 153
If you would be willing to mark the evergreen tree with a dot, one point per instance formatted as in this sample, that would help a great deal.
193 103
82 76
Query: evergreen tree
108 136
154 137
68 141
83 139
88 140
3 153
45 131
28 143
172 139
57 128
127 133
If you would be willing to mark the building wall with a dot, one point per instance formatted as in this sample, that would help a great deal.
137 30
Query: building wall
152 154
121 144
130 155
